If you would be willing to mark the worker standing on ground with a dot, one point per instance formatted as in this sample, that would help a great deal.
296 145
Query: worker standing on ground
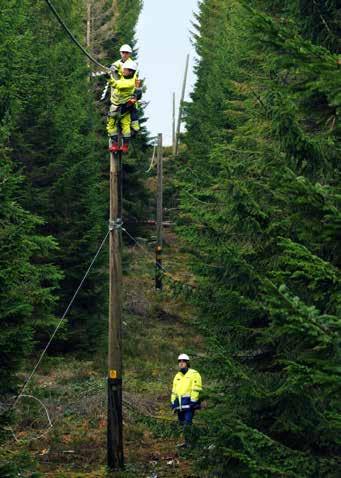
122 99
187 386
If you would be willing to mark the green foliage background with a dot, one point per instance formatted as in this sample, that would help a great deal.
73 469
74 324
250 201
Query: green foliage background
54 179
260 211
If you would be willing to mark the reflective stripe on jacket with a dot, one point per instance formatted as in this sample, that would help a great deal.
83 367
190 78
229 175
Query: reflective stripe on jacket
186 389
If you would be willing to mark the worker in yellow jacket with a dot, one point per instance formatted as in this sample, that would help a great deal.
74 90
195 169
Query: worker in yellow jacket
117 69
125 53
122 100
187 386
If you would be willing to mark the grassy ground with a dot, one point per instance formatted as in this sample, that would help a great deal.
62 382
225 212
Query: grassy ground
156 327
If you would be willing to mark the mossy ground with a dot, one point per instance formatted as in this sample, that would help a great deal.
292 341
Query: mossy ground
156 327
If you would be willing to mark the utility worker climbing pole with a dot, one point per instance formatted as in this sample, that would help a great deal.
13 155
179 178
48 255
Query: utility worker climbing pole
123 99
126 53
185 400
120 103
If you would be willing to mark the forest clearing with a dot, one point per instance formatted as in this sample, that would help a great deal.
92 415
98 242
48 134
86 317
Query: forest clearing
170 299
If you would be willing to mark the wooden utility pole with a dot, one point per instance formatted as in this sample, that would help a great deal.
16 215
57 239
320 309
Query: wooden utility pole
88 26
173 127
181 106
158 248
114 427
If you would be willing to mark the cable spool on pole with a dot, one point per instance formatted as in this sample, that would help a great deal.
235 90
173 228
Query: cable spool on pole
158 247
115 456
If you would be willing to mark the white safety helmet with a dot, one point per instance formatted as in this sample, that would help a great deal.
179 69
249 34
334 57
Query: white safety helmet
126 48
183 357
132 65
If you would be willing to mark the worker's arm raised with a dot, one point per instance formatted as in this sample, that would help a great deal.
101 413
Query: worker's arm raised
123 84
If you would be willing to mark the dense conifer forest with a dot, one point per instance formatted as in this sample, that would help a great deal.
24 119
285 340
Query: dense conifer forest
255 204
260 206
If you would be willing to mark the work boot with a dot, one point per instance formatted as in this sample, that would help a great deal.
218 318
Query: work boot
188 435
114 147
125 147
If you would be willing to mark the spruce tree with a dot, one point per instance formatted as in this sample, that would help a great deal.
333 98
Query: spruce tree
54 143
28 277
28 280
261 210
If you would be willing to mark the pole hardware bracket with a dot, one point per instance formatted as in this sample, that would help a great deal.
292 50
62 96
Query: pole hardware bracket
115 225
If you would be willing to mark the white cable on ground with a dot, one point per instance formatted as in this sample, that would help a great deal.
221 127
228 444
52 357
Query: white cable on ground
48 419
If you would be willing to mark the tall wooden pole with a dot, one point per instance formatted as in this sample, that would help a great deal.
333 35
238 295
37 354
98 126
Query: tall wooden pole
158 248
173 127
115 426
88 26
181 106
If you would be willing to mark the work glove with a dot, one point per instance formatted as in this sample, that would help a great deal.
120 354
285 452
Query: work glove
131 102
195 405
113 70
112 81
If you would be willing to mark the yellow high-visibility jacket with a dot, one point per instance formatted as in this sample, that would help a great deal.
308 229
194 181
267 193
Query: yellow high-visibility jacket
118 64
186 389
122 90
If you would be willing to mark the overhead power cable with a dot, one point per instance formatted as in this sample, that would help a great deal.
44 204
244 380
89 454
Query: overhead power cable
73 38
165 271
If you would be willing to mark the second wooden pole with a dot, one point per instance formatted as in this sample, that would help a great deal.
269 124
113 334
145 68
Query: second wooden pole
159 196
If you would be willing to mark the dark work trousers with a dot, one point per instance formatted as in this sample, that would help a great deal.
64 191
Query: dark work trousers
131 109
185 421
186 416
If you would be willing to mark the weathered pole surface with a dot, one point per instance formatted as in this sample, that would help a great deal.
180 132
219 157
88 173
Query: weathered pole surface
181 106
88 28
173 127
158 248
115 456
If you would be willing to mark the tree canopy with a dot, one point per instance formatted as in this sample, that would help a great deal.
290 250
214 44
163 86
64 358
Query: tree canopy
260 208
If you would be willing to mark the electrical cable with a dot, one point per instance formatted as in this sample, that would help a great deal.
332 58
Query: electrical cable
165 271
61 320
73 38
152 160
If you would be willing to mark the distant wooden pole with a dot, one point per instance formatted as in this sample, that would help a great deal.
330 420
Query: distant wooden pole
181 106
158 248
173 127
88 27
115 457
